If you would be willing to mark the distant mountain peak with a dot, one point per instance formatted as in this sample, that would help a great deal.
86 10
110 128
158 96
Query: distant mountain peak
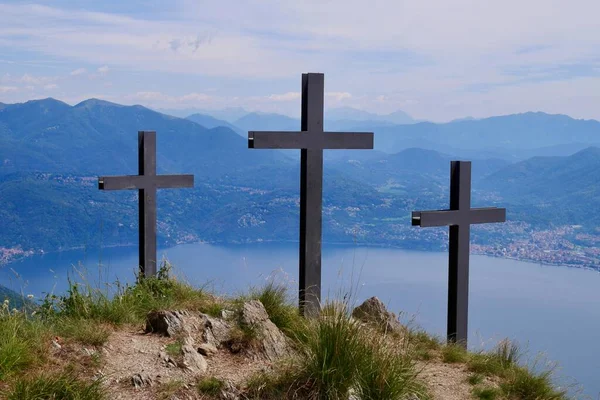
93 102
47 101
592 151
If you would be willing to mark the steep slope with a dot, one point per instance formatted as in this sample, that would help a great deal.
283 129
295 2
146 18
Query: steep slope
552 189
508 133
97 137
411 171
210 122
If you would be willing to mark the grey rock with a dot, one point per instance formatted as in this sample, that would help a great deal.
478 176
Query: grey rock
192 360
373 311
140 380
230 392
272 344
207 349
214 331
167 323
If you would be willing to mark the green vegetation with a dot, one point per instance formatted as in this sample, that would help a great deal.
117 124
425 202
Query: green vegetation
453 353
475 379
486 393
339 355
169 389
174 349
516 381
335 355
211 386
64 386
281 310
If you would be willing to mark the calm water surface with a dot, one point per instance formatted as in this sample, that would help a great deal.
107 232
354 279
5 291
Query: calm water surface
555 310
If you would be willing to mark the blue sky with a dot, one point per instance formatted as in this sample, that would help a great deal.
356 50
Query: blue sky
434 59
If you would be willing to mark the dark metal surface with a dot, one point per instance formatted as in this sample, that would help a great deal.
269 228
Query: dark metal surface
147 182
459 217
311 141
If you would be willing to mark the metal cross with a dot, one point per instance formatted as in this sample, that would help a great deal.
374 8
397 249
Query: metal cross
459 217
311 140
146 182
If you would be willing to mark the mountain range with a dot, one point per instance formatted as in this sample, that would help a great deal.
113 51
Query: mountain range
52 154
495 137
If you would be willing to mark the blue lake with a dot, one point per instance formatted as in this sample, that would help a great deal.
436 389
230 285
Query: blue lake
554 310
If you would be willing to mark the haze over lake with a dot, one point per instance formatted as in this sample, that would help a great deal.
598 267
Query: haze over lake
545 308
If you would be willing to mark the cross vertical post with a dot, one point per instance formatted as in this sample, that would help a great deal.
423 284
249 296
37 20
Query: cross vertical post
459 218
311 196
147 183
147 203
311 140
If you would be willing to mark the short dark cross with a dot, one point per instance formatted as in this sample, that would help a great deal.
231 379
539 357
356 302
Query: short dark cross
459 217
147 182
311 140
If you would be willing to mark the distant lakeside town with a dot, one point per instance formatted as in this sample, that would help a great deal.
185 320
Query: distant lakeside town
561 246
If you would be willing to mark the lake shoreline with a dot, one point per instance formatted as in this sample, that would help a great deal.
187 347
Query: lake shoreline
31 253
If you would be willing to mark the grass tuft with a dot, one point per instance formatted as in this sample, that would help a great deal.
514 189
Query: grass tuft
523 384
281 310
487 393
475 379
453 353
211 386
339 356
64 386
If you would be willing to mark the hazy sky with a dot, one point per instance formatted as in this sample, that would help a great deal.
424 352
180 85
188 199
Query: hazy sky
435 59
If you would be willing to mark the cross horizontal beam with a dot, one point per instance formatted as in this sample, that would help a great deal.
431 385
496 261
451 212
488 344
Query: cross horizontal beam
145 182
458 217
304 140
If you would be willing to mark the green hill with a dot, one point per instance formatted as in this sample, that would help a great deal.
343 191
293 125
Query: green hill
551 190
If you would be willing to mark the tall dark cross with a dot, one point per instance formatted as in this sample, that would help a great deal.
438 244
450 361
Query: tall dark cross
311 140
147 182
459 217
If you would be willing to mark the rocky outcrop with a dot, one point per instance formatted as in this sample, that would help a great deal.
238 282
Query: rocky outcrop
374 312
203 335
272 344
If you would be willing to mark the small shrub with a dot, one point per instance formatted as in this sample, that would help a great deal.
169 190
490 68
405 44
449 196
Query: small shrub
174 349
212 308
169 389
453 353
523 384
282 384
332 350
387 374
475 379
486 393
84 331
211 386
242 337
64 386
497 362
508 353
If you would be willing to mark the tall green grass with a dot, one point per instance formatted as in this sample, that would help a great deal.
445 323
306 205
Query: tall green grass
122 304
64 386
339 356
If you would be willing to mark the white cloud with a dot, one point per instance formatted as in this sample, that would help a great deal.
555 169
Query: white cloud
8 89
78 71
51 86
338 96
289 96
103 70
426 56
162 99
